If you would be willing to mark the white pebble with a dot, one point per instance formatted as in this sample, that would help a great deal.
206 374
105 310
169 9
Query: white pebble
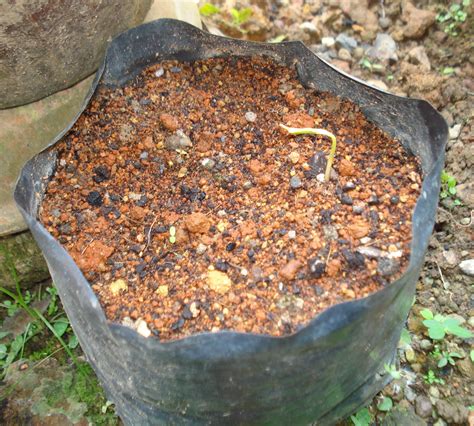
250 116
159 72
467 267
208 163
201 248
455 131
291 235
320 177
328 41
244 272
142 328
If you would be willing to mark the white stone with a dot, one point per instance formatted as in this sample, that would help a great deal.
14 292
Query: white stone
208 163
201 248
133 196
142 328
291 235
309 27
250 116
454 131
467 267
328 41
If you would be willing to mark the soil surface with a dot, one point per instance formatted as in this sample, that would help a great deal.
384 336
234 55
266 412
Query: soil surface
190 209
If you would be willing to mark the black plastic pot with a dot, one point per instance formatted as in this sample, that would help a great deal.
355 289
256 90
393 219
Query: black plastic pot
323 372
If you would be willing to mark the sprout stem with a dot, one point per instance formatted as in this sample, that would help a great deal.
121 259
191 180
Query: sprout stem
322 132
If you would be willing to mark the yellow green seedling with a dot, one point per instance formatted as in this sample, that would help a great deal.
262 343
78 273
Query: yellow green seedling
322 132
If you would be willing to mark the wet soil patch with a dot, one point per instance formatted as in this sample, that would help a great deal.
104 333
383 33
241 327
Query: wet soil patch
189 209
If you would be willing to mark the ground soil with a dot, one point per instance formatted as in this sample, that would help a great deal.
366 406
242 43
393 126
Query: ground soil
260 243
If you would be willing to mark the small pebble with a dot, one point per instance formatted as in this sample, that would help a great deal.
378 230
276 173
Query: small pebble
349 186
142 328
201 248
467 267
316 267
178 141
295 182
94 199
102 173
455 131
294 157
434 392
370 252
426 345
355 260
250 116
221 265
175 70
410 395
134 196
230 246
357 209
385 22
410 355
320 177
144 155
423 406
159 72
208 163
292 234
387 267
328 41
394 199
347 200
373 200
344 54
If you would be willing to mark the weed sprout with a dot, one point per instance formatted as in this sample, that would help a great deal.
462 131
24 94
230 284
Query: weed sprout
322 132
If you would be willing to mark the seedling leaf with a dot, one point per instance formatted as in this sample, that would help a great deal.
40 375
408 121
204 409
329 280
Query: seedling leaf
61 325
73 342
427 314
460 332
322 132
3 351
208 9
435 329
362 418
385 405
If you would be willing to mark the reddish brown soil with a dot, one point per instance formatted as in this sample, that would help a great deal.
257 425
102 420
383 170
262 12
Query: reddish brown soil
251 253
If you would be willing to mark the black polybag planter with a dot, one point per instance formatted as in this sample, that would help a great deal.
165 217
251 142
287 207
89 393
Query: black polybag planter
323 372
